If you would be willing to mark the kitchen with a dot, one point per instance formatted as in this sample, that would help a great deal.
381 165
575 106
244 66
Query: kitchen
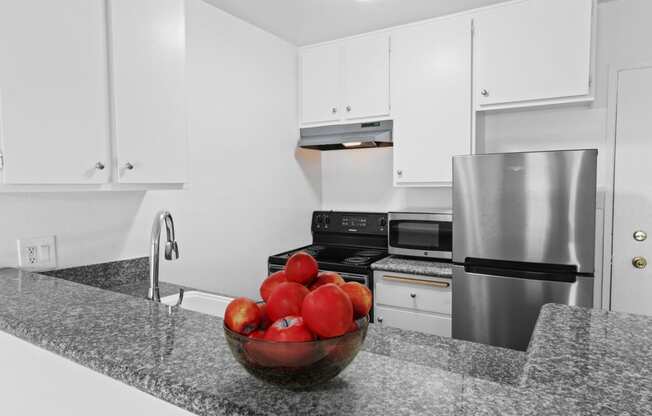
250 192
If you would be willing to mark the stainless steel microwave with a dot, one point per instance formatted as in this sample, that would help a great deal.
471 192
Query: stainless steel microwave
421 233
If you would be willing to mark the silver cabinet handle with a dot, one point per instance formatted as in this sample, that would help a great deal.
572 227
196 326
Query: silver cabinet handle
413 295
99 166
484 93
334 110
129 166
348 108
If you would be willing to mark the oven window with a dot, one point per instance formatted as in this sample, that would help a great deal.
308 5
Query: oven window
421 235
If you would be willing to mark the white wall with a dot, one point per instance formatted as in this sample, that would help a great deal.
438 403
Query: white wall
251 191
624 34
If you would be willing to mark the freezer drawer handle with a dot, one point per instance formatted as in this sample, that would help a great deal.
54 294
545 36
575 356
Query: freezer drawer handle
441 285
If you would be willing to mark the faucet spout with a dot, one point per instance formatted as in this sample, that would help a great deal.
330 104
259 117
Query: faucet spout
171 251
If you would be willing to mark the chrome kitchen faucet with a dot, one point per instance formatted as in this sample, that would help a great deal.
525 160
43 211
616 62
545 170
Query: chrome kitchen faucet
171 251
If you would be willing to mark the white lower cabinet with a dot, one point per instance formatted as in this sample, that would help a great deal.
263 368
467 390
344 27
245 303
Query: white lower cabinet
412 302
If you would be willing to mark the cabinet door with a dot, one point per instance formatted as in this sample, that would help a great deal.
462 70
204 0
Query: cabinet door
54 126
320 84
533 50
431 96
147 62
366 77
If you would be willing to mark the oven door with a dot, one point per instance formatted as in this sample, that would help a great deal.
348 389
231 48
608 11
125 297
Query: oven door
421 235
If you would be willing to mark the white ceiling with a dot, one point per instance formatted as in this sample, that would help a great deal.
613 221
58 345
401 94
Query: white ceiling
303 22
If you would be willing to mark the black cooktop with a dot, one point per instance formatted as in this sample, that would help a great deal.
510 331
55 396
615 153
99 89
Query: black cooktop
340 255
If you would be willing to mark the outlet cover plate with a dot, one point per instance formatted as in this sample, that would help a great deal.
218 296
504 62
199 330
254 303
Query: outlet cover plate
38 253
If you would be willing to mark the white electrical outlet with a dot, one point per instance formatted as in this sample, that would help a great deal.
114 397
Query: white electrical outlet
37 253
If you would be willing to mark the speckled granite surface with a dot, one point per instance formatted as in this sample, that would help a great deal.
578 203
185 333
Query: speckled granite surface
130 277
602 359
413 266
106 275
183 358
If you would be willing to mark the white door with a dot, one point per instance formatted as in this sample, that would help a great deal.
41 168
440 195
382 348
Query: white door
148 45
366 77
533 50
431 99
632 221
54 126
320 84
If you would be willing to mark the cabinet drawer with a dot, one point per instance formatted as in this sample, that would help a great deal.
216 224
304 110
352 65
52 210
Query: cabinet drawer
414 321
399 290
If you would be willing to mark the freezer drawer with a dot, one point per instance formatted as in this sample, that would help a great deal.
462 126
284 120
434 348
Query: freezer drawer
534 207
499 310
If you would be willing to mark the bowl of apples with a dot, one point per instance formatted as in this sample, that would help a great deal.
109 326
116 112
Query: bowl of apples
306 330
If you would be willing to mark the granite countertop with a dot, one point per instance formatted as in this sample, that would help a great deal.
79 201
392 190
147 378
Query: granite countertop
183 358
399 264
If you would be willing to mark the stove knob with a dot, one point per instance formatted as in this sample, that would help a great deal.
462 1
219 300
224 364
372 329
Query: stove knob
327 220
320 219
382 222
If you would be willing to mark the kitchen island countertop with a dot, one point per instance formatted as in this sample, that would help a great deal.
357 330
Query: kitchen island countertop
183 358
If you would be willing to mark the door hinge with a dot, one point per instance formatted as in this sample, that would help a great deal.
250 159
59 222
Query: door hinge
2 161
590 80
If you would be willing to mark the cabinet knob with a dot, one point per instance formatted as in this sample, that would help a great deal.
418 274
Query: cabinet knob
334 110
413 295
129 166
399 172
348 108
379 319
484 93
99 166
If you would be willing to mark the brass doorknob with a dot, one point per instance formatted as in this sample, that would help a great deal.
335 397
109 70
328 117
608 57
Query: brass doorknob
639 262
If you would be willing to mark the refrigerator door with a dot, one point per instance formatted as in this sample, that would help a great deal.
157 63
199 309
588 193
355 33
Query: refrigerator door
501 310
526 207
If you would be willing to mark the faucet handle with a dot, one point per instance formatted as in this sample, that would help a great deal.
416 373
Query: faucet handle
171 250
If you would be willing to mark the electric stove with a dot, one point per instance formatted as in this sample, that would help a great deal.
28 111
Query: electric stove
344 242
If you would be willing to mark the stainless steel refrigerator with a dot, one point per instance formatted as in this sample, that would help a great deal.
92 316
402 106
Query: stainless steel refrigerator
523 236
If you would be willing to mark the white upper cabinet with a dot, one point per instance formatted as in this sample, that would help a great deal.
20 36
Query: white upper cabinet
54 126
431 99
147 67
533 52
345 81
320 84
366 77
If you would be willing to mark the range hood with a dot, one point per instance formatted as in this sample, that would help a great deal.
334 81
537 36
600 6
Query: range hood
348 136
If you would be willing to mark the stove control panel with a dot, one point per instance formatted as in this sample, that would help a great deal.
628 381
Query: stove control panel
349 222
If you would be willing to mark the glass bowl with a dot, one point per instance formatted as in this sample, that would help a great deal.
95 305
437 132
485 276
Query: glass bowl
297 365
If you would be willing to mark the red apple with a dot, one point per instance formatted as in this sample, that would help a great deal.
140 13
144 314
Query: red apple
361 298
286 300
325 278
264 320
289 329
286 345
242 315
257 334
270 283
301 268
328 311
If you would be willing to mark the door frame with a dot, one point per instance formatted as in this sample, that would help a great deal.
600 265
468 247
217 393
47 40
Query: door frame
610 147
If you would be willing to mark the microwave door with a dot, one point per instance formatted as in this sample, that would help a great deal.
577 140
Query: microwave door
416 237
